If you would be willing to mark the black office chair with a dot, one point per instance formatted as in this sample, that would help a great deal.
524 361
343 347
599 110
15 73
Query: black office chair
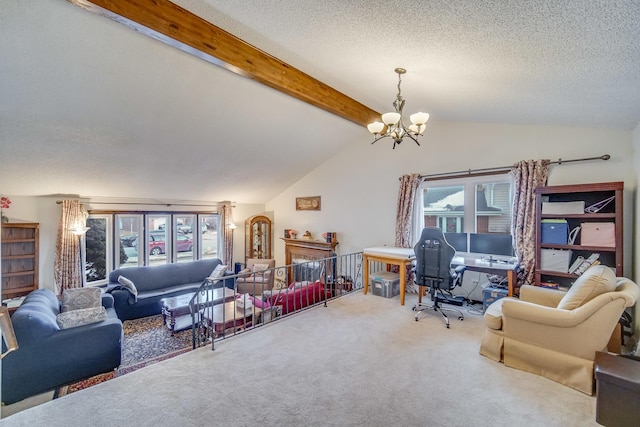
433 270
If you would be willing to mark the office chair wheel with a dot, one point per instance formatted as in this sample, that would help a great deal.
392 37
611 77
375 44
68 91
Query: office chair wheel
461 318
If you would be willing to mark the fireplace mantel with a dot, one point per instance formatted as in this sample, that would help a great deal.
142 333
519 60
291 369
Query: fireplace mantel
307 249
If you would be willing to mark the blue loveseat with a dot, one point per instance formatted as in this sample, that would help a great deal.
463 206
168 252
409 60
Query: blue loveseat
153 283
50 357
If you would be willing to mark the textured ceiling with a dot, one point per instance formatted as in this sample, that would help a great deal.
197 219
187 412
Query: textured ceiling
90 107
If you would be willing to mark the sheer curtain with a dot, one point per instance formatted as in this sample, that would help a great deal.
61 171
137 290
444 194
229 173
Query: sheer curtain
528 174
405 216
68 268
227 220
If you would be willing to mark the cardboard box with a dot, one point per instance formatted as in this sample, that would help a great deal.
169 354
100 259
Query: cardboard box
492 294
385 284
555 260
554 231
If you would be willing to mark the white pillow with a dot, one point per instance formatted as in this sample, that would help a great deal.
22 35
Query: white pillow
217 273
595 281
129 285
260 267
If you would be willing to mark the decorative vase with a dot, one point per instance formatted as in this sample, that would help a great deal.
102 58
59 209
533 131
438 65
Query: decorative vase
5 219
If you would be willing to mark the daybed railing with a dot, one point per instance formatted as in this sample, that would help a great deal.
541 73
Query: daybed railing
218 311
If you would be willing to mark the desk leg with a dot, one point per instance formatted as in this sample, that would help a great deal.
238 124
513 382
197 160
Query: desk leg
403 281
365 279
511 281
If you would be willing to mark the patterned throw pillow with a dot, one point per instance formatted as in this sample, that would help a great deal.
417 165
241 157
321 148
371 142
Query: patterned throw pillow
80 317
260 267
217 273
129 285
79 298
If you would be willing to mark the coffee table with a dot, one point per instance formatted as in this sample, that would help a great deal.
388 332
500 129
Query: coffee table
229 315
176 309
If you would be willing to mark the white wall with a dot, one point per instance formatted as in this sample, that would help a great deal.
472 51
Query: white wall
359 186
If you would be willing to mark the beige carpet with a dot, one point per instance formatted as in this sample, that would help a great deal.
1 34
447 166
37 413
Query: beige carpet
362 360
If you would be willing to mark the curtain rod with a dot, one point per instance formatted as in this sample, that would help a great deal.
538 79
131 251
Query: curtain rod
154 204
495 170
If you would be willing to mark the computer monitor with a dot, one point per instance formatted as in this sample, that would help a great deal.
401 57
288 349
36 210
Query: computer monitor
491 244
457 240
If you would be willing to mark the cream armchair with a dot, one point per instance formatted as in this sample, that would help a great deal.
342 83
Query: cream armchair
256 277
557 334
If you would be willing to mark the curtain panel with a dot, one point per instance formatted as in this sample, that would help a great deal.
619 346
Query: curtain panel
528 175
227 253
68 265
405 215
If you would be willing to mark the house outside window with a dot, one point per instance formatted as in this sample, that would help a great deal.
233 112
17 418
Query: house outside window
480 204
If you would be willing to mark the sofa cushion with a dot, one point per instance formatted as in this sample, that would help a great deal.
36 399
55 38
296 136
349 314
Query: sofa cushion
593 282
80 317
79 298
129 285
260 267
493 315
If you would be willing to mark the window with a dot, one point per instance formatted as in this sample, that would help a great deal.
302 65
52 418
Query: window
476 205
120 240
97 254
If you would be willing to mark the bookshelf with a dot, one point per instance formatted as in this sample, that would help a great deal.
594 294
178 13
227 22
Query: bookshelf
550 202
19 259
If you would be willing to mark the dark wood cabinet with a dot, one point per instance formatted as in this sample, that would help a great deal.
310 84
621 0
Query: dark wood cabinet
258 237
19 259
609 197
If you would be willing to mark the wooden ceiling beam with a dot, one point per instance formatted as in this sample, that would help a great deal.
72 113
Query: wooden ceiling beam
177 27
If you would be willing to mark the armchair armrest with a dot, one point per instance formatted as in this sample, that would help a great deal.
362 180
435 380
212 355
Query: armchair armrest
107 300
542 296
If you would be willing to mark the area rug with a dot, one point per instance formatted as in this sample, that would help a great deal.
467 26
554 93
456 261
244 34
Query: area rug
146 341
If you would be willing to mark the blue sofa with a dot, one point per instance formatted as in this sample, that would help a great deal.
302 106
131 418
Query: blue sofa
154 283
50 357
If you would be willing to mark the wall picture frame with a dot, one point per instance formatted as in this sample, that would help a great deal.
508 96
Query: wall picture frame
308 203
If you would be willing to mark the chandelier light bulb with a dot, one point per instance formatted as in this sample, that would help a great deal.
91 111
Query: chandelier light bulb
375 127
391 118
419 118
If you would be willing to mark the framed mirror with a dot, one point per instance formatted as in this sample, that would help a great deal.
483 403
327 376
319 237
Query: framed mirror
258 237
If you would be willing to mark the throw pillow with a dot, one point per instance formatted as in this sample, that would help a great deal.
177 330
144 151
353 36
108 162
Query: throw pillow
595 281
129 285
80 317
260 267
79 298
217 273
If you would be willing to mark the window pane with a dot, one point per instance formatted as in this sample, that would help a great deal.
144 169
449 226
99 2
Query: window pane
128 232
185 226
493 207
444 208
158 245
209 225
96 255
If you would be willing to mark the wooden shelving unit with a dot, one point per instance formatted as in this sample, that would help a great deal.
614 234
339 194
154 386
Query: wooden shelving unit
20 245
611 213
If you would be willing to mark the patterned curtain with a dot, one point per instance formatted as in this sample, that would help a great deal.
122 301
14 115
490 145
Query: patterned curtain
68 263
409 185
227 254
528 175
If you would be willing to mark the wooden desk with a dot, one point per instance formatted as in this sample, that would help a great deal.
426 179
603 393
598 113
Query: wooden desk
402 257
474 262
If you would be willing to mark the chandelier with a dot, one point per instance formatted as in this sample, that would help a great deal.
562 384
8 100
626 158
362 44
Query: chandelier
392 125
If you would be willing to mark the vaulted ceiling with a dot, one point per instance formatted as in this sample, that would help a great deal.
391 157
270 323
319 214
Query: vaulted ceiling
90 107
